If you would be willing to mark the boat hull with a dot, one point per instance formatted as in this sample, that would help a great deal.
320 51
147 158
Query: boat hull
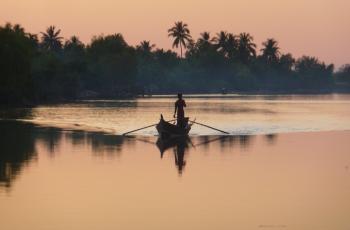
168 130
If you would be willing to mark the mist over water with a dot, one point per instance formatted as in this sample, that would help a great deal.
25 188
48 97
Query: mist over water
236 114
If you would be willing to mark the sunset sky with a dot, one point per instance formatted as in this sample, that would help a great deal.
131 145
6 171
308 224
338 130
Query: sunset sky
314 27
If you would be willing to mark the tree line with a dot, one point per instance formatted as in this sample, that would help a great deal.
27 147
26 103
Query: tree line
41 68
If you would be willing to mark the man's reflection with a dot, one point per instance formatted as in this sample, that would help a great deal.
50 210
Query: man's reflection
179 152
179 146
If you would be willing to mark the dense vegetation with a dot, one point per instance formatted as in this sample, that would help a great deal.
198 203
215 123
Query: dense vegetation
46 68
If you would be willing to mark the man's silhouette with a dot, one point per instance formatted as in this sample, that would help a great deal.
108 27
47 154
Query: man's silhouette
179 108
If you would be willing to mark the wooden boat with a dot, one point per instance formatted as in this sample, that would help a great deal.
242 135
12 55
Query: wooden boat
168 130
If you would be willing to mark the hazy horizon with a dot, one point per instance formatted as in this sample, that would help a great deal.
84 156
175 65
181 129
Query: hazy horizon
315 28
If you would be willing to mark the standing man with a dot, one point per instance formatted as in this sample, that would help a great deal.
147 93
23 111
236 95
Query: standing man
179 108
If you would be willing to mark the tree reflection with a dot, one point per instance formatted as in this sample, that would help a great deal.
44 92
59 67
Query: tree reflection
225 142
271 138
17 149
50 137
21 143
102 144
16 113
18 143
245 140
180 145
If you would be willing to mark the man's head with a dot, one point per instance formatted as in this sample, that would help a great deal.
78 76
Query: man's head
179 95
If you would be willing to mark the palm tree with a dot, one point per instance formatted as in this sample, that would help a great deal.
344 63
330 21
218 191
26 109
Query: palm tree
231 45
221 41
246 47
33 38
226 43
145 47
204 42
74 45
204 38
51 40
270 50
192 48
181 35
73 42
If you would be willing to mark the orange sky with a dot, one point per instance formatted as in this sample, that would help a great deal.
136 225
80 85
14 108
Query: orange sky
315 27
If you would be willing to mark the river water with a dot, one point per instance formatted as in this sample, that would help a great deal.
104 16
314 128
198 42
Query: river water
236 114
285 165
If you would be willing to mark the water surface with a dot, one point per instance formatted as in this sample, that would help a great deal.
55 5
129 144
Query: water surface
55 179
65 166
237 114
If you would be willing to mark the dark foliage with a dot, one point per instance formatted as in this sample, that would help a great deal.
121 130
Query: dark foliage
342 77
50 69
16 53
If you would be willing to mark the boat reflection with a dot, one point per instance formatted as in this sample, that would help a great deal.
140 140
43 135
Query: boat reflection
179 145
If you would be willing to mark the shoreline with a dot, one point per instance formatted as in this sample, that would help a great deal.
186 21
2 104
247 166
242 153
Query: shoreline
190 95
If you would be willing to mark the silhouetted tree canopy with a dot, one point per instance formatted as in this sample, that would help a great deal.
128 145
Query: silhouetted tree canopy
16 54
53 69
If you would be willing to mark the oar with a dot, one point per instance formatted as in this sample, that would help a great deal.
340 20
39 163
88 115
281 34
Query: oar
143 128
209 127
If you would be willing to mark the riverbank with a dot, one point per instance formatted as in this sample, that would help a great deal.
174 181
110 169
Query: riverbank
193 94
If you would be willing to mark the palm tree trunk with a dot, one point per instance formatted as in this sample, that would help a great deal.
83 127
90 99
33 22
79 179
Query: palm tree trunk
181 50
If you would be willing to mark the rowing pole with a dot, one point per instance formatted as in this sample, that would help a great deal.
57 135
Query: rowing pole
144 128
174 120
210 127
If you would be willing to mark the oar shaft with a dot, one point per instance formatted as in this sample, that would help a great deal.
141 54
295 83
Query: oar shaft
210 127
143 128
139 129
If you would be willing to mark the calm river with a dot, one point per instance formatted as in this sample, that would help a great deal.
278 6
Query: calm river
285 165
